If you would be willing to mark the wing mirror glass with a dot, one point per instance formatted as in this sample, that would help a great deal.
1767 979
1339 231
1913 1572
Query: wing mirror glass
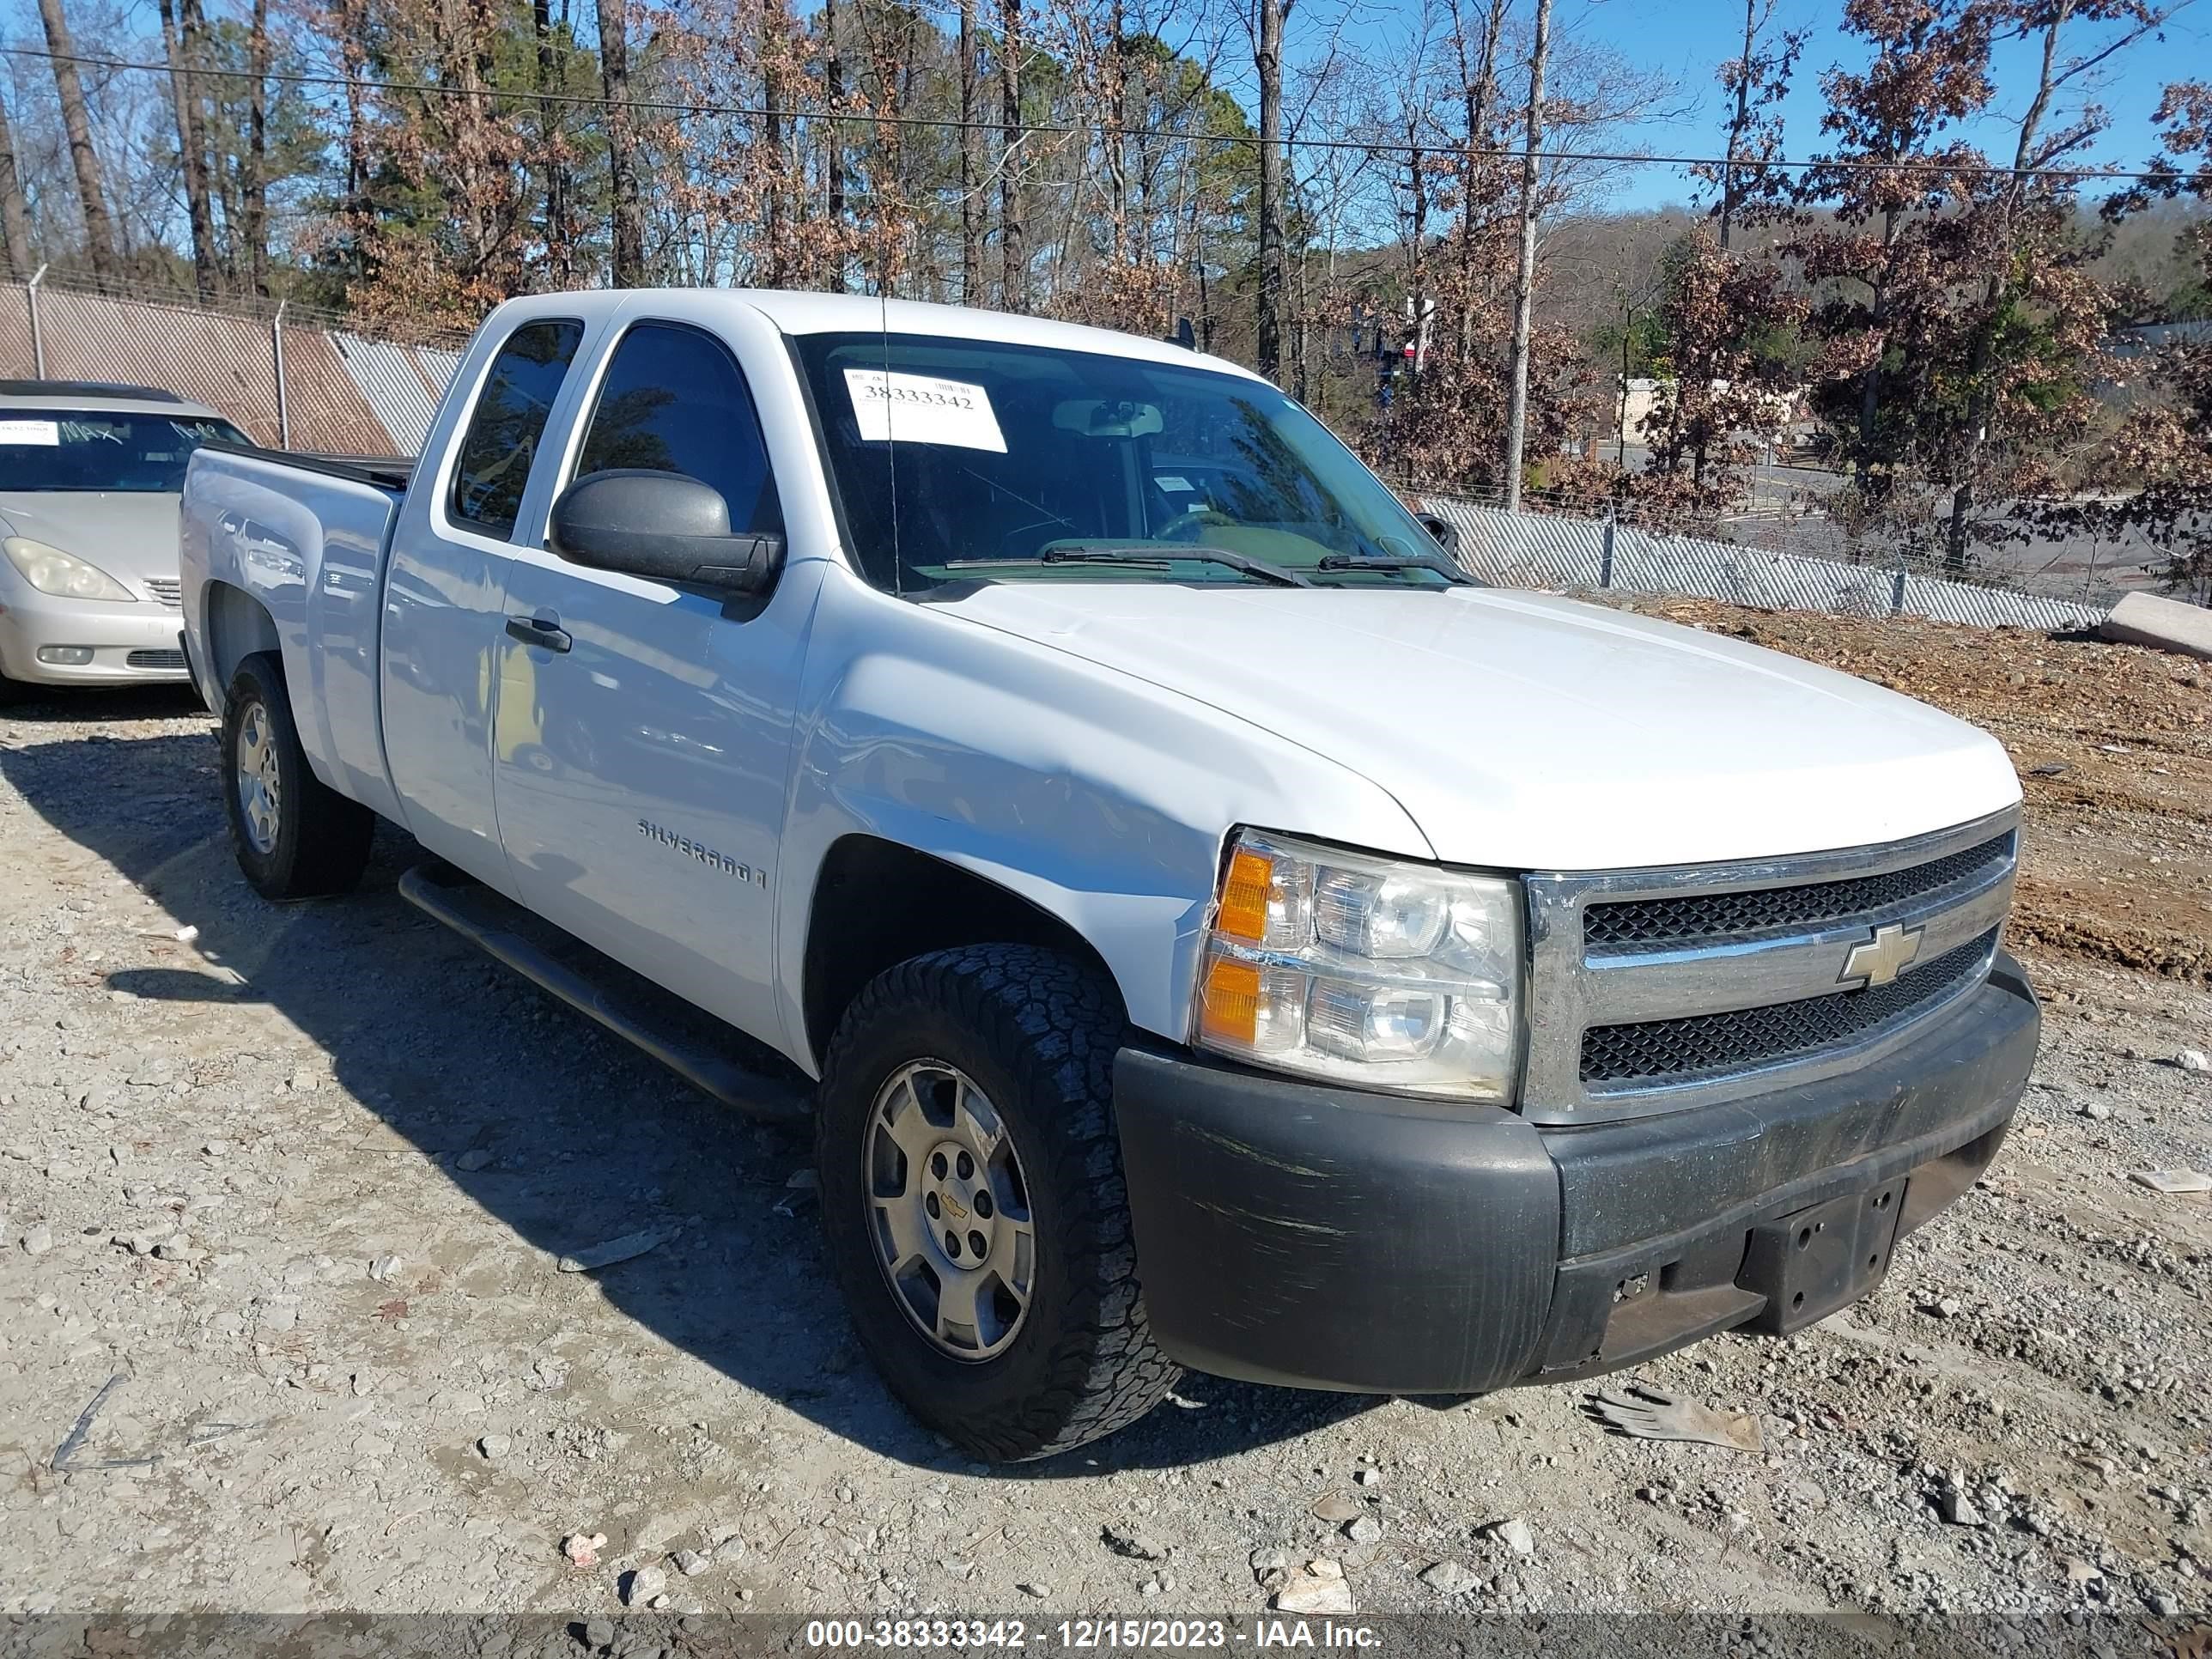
666 526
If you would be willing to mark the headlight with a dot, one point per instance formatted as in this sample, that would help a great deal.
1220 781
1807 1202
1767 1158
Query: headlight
63 574
1362 970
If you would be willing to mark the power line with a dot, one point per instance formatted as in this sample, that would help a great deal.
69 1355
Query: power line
1366 146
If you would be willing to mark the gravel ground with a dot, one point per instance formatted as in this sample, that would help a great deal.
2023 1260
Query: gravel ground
300 1178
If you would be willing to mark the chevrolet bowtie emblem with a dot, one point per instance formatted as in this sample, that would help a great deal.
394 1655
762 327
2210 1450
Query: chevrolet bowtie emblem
1880 959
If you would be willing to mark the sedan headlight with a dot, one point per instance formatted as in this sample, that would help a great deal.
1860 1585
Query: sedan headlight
1365 971
63 574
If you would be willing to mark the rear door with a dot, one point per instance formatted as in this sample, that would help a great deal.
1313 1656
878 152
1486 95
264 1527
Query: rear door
445 598
645 730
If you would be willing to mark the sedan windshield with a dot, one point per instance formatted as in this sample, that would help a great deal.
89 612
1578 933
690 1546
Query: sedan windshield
66 449
965 460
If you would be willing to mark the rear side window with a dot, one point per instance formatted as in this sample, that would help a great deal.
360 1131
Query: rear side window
675 401
502 441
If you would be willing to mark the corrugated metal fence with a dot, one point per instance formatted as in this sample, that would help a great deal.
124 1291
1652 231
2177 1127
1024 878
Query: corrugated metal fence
1537 550
301 383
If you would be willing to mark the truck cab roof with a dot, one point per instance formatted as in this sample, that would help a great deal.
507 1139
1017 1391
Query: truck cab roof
100 397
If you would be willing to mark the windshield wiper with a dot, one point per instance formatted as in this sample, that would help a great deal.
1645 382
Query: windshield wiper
1354 562
1145 556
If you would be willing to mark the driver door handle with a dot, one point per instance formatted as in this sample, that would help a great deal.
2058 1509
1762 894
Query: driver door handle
545 635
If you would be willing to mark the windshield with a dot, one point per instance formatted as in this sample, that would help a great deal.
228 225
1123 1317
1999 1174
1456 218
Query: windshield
65 449
965 460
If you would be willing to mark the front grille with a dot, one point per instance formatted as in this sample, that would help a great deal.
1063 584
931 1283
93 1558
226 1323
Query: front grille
1658 924
1657 1052
168 589
155 660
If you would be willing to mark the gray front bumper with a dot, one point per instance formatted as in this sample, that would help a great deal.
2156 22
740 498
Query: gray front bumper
1323 1237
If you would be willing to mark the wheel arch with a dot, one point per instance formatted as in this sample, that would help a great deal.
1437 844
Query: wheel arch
877 903
238 626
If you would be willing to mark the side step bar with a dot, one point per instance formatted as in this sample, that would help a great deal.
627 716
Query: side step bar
693 1044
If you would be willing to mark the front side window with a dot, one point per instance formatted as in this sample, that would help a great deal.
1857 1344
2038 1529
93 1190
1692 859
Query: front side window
966 459
673 401
93 450
502 441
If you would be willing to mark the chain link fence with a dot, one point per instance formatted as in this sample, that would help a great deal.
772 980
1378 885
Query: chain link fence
289 376
1561 550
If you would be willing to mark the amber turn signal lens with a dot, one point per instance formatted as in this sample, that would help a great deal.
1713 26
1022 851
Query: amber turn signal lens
1229 1007
1243 912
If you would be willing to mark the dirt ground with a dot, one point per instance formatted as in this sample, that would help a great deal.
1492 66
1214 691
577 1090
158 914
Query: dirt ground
301 1176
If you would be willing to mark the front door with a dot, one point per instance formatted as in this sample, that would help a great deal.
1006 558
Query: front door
445 600
644 730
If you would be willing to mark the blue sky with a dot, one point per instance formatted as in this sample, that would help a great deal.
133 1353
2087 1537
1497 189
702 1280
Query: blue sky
1687 40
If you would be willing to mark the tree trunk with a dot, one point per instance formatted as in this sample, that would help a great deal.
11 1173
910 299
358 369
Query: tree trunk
192 156
1870 386
353 25
560 260
1480 86
1267 59
622 154
1740 123
1014 257
1981 402
253 225
91 189
971 162
14 214
1524 282
833 92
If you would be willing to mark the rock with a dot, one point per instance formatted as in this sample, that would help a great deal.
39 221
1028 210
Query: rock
2096 1110
1318 1587
1133 1544
2162 1606
1959 1509
1516 1535
1364 1530
2193 1059
625 1248
494 1447
1948 1307
1040 1591
38 1239
1449 1578
583 1549
731 1548
803 1181
2172 1181
691 1563
598 1633
1269 1560
1336 1508
382 1268
1368 1477
473 1160
641 1587
2171 625
2079 1572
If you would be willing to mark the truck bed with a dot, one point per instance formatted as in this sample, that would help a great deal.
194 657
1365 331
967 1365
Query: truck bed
303 537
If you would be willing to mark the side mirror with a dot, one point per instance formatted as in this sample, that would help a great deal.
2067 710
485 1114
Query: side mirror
1445 532
666 526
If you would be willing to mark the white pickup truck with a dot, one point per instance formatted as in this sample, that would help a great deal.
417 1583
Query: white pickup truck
1203 926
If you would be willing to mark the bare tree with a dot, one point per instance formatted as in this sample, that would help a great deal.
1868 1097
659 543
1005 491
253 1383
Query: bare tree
971 161
1014 259
1268 60
253 221
1524 283
192 155
560 258
91 188
622 145
15 216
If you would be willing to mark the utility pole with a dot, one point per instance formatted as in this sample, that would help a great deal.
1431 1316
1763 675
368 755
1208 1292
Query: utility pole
1524 284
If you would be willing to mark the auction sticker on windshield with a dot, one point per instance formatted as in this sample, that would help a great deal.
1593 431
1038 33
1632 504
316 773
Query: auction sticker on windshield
46 435
920 409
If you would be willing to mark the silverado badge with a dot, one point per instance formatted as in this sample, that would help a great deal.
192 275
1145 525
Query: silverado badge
1883 958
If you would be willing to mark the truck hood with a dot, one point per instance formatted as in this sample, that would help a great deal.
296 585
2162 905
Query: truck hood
1525 732
131 534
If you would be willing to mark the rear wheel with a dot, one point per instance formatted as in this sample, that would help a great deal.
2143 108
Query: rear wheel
973 1203
296 837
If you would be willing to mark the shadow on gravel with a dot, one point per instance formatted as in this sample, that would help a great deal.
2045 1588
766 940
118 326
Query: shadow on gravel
586 1140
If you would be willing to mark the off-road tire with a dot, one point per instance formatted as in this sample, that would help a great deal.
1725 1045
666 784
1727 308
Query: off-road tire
1037 1032
321 843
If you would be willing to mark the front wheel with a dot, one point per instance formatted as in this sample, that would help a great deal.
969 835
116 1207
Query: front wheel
296 837
973 1203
